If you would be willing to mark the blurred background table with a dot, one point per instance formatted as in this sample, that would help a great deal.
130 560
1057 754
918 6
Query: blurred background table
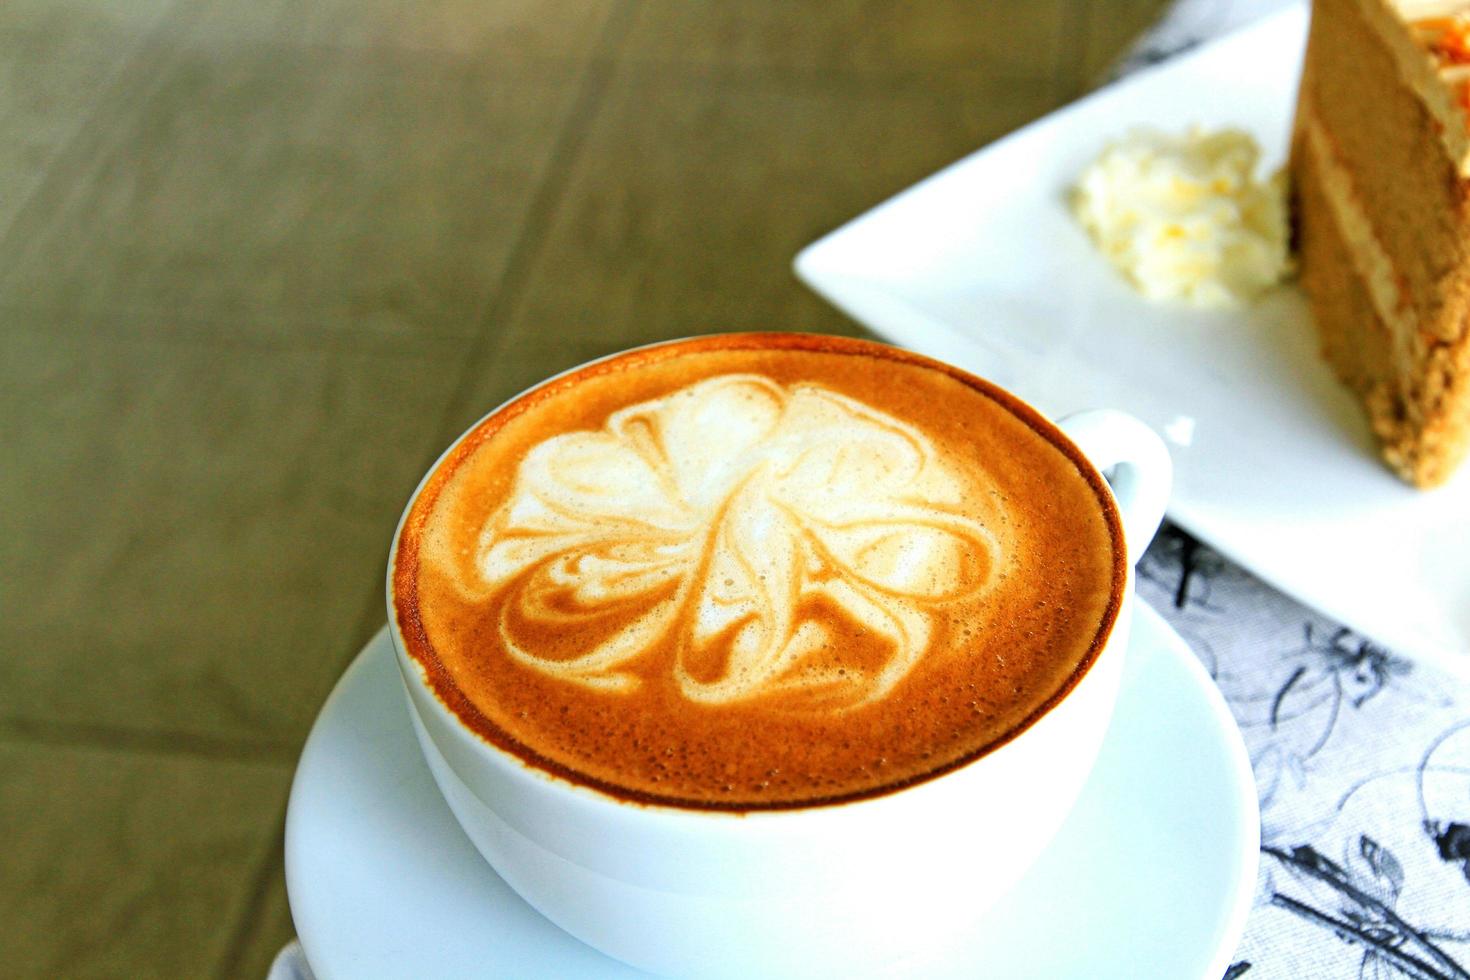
260 262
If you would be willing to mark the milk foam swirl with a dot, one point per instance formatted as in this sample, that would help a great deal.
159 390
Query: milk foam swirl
708 522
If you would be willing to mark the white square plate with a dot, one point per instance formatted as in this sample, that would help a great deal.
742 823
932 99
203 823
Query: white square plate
982 265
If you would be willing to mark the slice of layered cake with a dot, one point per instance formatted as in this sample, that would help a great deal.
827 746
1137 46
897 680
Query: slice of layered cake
1381 198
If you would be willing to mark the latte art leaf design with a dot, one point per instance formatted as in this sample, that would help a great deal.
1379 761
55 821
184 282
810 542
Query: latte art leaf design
710 522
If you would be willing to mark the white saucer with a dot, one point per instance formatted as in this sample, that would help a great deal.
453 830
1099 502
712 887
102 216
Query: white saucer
1152 875
983 266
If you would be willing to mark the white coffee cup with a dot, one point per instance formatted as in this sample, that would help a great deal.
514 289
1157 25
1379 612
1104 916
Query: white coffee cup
834 889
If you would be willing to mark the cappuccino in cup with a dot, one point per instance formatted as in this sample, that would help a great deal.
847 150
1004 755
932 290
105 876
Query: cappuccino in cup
768 654
758 572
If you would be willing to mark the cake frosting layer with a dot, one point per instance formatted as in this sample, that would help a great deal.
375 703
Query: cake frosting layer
1369 258
1389 141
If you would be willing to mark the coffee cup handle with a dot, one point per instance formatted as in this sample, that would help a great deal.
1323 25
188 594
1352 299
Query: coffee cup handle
1135 463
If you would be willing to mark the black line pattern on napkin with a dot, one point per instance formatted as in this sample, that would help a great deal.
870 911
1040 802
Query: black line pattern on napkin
1365 814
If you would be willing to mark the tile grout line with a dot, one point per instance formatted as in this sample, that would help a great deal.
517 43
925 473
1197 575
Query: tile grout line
105 738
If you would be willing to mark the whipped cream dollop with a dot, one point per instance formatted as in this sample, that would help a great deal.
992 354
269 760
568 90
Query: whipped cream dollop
1185 218
727 523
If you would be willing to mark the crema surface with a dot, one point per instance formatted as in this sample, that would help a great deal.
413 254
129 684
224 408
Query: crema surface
757 571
